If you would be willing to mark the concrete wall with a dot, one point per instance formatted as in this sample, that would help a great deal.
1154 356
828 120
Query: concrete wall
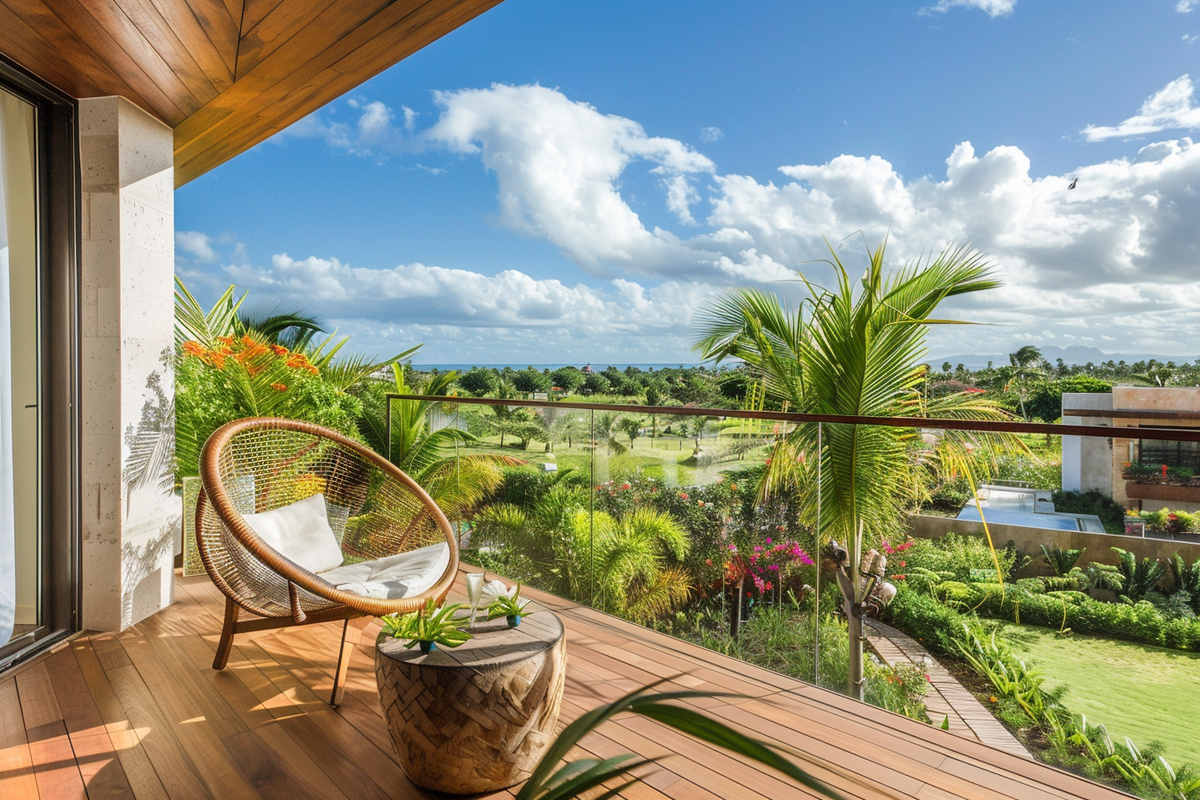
1087 461
127 323
1029 541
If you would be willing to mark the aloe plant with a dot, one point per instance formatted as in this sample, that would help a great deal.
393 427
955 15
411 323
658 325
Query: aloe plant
507 605
429 624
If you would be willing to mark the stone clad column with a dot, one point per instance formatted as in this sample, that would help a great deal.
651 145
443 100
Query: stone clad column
129 513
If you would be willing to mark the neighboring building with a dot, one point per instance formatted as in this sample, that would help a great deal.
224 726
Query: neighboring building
104 112
1102 464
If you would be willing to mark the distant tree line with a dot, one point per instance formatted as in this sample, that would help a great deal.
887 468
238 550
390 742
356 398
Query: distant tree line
697 386
1032 388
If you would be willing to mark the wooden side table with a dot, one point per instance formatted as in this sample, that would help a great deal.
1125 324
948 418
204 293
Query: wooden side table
478 717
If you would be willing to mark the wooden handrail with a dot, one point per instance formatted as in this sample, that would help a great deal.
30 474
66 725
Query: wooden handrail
928 423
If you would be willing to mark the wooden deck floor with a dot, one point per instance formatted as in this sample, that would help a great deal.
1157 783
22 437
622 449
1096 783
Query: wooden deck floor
141 714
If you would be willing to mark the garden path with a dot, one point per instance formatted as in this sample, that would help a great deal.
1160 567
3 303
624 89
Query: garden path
948 699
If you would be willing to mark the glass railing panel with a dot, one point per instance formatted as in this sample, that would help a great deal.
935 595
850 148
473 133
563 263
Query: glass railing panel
522 480
1069 549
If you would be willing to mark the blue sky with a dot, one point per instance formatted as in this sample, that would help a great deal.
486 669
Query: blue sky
573 181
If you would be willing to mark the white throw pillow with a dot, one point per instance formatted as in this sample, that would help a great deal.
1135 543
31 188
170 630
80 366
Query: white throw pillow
393 577
300 532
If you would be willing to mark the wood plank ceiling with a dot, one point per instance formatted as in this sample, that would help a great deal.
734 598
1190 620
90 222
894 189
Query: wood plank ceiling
225 74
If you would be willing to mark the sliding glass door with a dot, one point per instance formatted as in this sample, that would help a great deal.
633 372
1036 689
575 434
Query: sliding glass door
38 486
19 422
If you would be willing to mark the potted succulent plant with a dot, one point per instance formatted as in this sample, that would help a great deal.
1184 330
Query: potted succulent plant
507 603
428 627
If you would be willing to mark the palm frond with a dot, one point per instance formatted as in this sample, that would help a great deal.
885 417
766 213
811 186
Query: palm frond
193 323
550 781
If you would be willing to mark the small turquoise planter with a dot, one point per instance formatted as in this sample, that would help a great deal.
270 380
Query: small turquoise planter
514 620
427 647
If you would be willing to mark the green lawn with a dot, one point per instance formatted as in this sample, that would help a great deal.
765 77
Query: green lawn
1040 447
1145 693
666 458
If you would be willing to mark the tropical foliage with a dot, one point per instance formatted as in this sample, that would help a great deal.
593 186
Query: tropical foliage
854 352
554 781
629 563
1018 698
226 370
430 453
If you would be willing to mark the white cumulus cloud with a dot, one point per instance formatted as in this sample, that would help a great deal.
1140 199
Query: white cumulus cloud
558 163
1114 256
993 8
681 195
500 314
1185 6
1170 108
195 244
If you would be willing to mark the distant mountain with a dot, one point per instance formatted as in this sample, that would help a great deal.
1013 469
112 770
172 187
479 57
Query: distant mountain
1076 354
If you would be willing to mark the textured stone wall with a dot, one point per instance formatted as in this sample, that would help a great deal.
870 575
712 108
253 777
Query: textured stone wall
127 321
1029 541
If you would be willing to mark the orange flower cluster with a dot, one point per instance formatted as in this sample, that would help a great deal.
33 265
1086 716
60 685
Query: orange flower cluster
248 351
300 361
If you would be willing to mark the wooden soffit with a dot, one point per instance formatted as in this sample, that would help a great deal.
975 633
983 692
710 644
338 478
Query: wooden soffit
225 74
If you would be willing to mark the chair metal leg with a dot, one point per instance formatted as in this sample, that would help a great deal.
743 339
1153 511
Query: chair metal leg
226 644
351 635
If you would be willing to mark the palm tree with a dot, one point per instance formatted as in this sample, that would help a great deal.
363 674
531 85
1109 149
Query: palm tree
628 564
631 427
457 481
854 353
1024 366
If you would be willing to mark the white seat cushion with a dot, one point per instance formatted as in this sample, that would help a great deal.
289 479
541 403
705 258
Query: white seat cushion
393 577
300 532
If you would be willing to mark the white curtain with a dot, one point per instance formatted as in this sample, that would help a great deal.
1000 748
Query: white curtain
16 144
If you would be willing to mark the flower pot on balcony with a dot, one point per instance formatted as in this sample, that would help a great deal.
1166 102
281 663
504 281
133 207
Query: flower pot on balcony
1167 493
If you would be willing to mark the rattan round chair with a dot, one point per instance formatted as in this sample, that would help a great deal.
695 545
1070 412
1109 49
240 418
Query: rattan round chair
375 511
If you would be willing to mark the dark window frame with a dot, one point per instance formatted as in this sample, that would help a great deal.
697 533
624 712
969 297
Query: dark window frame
58 243
1157 452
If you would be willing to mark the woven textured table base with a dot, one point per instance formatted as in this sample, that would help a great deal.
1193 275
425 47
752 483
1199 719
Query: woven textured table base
478 720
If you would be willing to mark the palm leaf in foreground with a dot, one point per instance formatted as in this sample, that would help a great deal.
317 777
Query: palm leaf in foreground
576 777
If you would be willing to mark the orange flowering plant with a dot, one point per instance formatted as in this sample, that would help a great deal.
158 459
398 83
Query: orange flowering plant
226 370
246 377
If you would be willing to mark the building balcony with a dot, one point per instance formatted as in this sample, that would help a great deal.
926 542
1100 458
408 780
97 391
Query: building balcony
142 714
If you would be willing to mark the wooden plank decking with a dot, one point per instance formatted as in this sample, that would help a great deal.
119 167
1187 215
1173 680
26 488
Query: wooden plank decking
142 714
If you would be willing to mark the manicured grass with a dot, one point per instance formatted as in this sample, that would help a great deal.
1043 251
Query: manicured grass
666 458
1040 447
1145 693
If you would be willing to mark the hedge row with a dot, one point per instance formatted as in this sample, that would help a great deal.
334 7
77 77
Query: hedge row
1137 622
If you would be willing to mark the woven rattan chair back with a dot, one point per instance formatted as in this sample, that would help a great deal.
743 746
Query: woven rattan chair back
375 509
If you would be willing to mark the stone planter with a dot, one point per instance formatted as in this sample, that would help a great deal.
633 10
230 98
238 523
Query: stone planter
1165 492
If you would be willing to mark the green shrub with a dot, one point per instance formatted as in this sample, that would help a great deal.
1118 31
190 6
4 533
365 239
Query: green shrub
1136 622
1110 512
927 620
1031 585
1022 703
954 557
